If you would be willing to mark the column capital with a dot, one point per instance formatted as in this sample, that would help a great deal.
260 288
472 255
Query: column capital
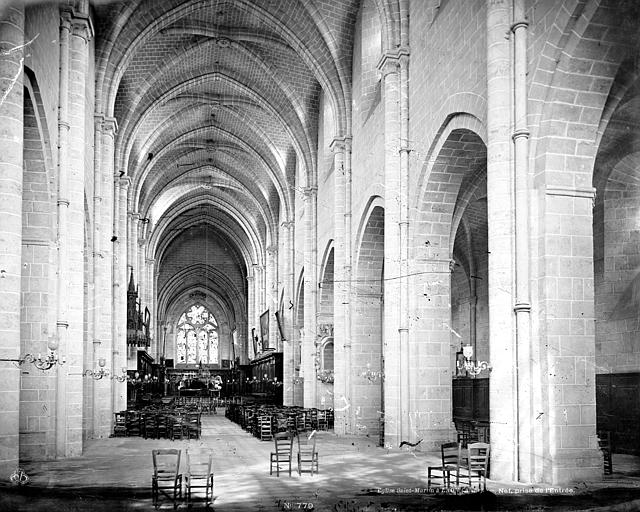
287 224
80 24
134 215
251 279
390 61
142 241
150 261
310 192
110 126
98 120
124 181
339 144
272 249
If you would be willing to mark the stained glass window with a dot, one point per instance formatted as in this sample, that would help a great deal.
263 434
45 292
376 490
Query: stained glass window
197 339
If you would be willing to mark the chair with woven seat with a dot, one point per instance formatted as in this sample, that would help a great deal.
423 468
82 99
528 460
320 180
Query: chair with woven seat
148 425
166 478
604 443
475 464
449 456
119 424
307 454
193 423
177 427
284 452
264 428
322 423
133 423
199 475
163 425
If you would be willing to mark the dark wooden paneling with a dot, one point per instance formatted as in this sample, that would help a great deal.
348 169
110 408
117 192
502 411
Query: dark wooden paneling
470 399
618 410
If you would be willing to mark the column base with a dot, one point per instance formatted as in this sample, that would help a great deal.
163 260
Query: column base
576 466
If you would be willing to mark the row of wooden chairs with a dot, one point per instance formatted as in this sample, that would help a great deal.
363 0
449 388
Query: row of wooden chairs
468 463
472 432
307 456
263 421
170 424
167 478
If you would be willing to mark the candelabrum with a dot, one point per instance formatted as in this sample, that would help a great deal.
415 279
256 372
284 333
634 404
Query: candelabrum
465 362
371 375
326 376
102 372
42 363
275 382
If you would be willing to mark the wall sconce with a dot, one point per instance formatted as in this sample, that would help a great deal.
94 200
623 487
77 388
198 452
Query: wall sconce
97 374
370 375
465 362
122 377
326 376
297 380
42 363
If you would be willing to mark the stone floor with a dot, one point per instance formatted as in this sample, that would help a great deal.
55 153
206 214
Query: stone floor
114 475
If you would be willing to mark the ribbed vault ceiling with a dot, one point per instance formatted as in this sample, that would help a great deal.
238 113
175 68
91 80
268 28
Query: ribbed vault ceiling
217 104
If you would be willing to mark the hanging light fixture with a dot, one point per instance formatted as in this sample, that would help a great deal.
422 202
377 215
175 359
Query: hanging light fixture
42 363
466 363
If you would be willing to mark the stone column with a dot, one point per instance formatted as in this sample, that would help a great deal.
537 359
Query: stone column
120 281
310 296
503 383
530 464
258 274
148 295
132 245
271 278
142 269
11 142
72 234
251 311
289 287
394 399
103 400
342 342
101 395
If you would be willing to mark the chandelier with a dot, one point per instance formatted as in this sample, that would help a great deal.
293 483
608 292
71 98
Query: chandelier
465 362
371 375
42 363
101 372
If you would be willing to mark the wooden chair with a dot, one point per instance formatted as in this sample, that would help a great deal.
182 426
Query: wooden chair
283 454
467 434
323 424
604 442
199 475
119 424
264 428
475 465
307 454
149 425
177 427
192 421
163 426
166 478
133 423
449 457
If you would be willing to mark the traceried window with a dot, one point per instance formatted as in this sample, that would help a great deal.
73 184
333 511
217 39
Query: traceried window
197 340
